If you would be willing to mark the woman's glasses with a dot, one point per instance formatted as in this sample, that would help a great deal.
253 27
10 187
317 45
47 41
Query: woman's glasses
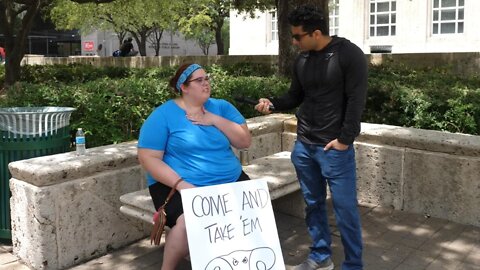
201 80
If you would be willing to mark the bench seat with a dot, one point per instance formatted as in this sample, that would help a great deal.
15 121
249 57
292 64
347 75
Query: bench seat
276 169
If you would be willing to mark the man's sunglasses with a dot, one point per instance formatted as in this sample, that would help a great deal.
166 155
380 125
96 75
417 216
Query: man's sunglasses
298 37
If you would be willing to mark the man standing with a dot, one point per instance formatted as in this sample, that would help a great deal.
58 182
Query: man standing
126 47
329 85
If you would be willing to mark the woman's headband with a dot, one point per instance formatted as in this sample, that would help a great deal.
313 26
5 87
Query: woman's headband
185 74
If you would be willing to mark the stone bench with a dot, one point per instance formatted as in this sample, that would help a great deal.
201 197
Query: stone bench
276 169
69 204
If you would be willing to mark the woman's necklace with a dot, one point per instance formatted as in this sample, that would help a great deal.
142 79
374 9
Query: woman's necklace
198 111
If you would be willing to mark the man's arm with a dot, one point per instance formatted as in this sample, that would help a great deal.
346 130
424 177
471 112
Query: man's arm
354 65
294 97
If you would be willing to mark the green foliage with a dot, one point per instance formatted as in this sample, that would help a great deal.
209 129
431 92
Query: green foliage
249 69
430 98
109 110
112 103
113 110
2 75
226 86
71 73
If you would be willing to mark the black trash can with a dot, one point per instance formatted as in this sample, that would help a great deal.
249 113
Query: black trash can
27 132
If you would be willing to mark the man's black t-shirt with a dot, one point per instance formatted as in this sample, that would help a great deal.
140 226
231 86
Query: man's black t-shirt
329 86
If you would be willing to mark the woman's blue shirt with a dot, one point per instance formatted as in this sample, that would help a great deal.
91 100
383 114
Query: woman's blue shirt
201 155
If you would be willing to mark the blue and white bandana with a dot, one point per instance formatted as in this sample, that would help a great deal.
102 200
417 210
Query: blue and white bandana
185 74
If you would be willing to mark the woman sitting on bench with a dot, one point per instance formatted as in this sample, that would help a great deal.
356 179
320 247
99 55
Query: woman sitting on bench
186 142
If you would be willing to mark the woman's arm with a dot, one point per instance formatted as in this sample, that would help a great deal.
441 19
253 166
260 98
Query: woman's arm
152 161
238 134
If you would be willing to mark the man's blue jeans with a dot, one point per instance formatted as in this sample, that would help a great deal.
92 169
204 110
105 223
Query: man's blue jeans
315 169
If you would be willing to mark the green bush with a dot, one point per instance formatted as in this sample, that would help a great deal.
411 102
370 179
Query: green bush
228 87
71 73
425 98
112 103
249 69
2 74
110 111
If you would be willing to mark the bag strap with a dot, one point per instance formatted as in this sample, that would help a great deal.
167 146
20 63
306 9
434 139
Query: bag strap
172 191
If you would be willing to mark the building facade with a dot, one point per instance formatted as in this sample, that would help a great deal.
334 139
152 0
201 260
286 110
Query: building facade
104 43
376 26
44 39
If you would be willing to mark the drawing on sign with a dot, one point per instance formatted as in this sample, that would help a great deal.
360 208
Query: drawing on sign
262 258
237 215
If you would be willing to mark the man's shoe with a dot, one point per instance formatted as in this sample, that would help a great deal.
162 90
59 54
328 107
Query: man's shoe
310 264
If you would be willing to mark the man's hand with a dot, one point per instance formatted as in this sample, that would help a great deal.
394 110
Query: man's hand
335 144
263 106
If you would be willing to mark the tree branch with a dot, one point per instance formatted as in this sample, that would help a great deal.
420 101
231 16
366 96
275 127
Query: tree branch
20 10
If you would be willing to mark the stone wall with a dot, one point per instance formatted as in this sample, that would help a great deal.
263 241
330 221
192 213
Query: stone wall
149 61
460 63
65 209
422 171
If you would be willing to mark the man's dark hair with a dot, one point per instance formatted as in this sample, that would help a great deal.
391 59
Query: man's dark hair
310 18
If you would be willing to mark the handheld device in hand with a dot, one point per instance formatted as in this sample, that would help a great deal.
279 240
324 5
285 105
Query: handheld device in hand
252 102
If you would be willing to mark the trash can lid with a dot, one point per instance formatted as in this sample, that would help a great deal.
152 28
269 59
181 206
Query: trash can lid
33 121
35 110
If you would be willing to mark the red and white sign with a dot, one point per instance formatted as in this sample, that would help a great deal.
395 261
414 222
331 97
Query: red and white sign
88 46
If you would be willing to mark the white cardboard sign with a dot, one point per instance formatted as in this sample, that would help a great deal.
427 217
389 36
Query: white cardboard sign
232 227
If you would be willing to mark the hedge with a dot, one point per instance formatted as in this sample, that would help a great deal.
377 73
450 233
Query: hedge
112 103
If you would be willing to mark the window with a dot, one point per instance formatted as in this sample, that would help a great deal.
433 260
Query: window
274 25
334 9
383 18
448 17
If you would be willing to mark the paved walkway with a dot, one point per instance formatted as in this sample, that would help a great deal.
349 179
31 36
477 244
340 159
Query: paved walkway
394 240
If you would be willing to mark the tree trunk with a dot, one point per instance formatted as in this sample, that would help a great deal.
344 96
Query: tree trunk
15 42
17 19
140 37
287 52
155 37
121 37
12 68
218 36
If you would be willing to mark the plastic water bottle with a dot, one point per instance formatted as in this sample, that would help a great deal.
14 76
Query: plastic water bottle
80 142
243 153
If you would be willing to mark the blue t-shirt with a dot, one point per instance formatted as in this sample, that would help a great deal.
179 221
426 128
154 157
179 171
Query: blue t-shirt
201 155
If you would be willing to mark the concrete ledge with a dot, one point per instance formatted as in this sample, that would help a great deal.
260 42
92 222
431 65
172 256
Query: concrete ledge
421 139
138 204
421 171
65 209
56 169
461 63
57 226
276 169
